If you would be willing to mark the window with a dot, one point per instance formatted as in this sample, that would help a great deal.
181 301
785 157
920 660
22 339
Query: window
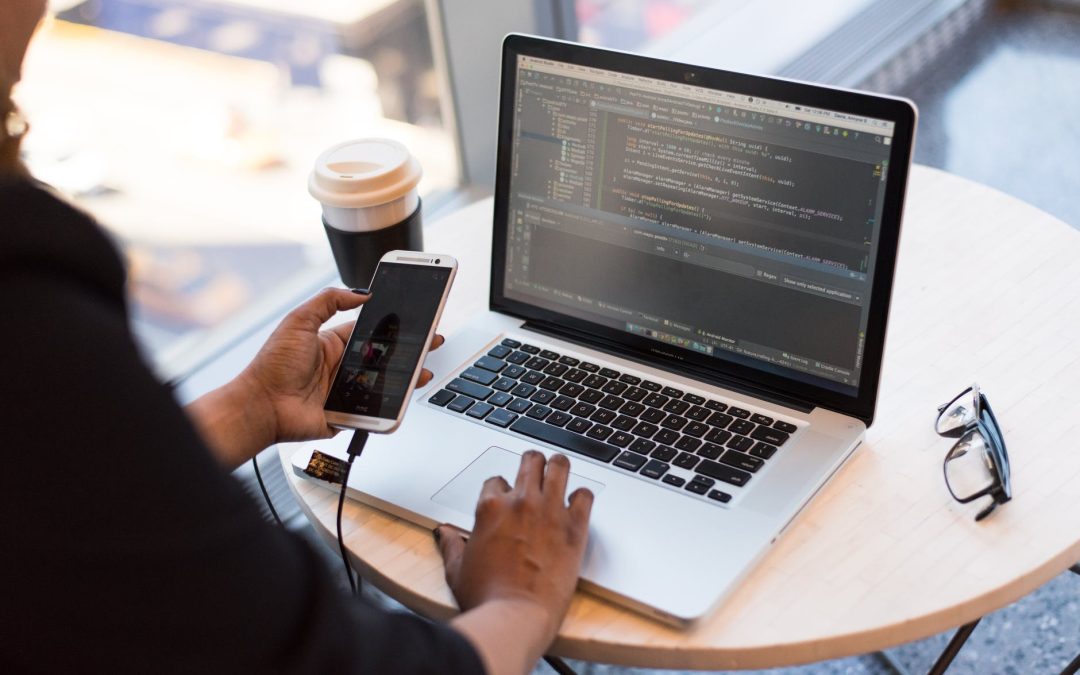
188 128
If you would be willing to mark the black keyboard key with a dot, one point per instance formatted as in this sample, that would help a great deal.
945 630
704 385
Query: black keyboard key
634 394
538 412
589 367
698 413
649 385
514 372
532 377
632 409
594 381
786 427
686 461
529 349
722 472
549 355
500 398
645 430
655 400
537 363
771 436
511 343
758 418
519 405
655 469
563 403
523 390
720 420
603 416
624 423
499 351
630 461
575 375
693 399
565 439
501 418
763 450
664 453
620 439
696 429
518 358
688 444
718 436
504 384
697 487
484 377
461 403
720 496
677 407
674 422
738 412
666 436
490 363
599 432
568 361
542 396
558 418
552 383
672 479
579 426
642 446
460 386
741 427
583 410
740 443
556 369
704 480
480 410
629 379
442 397
710 451
716 405
572 390
611 402
672 392
742 461
653 415
613 387
609 373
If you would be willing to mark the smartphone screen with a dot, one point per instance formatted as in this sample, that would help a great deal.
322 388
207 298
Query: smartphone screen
388 339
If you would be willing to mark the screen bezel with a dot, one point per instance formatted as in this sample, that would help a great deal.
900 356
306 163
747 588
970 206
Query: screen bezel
344 420
899 111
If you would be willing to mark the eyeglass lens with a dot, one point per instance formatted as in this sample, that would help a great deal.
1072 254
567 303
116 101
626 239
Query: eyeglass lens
969 468
959 413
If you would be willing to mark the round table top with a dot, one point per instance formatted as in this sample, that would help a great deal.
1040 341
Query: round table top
987 290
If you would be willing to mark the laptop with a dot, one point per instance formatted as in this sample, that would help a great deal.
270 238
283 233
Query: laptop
690 282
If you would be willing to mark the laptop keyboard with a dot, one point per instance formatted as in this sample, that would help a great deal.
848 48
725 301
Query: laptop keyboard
634 424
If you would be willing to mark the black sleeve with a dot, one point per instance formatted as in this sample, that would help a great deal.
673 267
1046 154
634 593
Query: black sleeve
126 547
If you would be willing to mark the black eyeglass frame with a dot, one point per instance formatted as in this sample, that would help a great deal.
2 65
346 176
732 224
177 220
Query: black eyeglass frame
985 422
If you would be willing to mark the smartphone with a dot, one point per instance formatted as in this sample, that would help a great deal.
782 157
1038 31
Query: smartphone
385 353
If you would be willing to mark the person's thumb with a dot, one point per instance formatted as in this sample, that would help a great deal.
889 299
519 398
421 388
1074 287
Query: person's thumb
451 541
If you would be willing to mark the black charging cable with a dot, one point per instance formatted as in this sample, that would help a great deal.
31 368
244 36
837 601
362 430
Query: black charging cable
266 493
356 446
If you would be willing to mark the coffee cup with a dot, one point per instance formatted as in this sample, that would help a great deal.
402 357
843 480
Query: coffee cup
370 205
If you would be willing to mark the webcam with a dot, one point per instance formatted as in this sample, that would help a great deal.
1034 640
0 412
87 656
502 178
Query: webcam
690 76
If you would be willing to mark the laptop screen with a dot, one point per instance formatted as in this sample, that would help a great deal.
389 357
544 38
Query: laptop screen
735 227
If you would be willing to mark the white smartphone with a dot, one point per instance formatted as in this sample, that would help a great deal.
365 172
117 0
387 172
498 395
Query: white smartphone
385 353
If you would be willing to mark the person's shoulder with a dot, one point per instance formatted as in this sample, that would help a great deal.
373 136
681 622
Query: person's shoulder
40 232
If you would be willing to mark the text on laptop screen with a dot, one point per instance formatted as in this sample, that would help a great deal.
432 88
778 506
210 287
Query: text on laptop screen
736 227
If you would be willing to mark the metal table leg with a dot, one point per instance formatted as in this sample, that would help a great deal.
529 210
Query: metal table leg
558 665
951 649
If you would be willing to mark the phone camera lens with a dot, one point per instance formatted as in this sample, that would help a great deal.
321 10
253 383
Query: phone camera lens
438 260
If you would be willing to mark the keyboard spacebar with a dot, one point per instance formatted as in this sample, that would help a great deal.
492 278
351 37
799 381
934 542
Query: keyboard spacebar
565 439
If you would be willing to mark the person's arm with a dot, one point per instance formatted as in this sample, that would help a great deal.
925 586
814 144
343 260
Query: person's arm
515 575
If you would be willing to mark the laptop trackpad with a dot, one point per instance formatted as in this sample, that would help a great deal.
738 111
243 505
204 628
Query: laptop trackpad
463 490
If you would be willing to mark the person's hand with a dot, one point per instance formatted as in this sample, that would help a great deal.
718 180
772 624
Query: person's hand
294 369
527 544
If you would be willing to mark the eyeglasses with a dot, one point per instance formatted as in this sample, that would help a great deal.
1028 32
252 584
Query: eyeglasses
978 465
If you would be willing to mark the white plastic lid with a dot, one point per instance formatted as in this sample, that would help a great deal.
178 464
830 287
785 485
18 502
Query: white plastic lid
363 172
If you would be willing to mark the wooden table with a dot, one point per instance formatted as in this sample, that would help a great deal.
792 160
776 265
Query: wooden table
987 290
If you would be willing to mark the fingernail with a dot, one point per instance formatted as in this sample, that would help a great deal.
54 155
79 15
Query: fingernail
438 535
361 291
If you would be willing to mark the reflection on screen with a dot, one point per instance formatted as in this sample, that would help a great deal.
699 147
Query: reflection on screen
385 347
